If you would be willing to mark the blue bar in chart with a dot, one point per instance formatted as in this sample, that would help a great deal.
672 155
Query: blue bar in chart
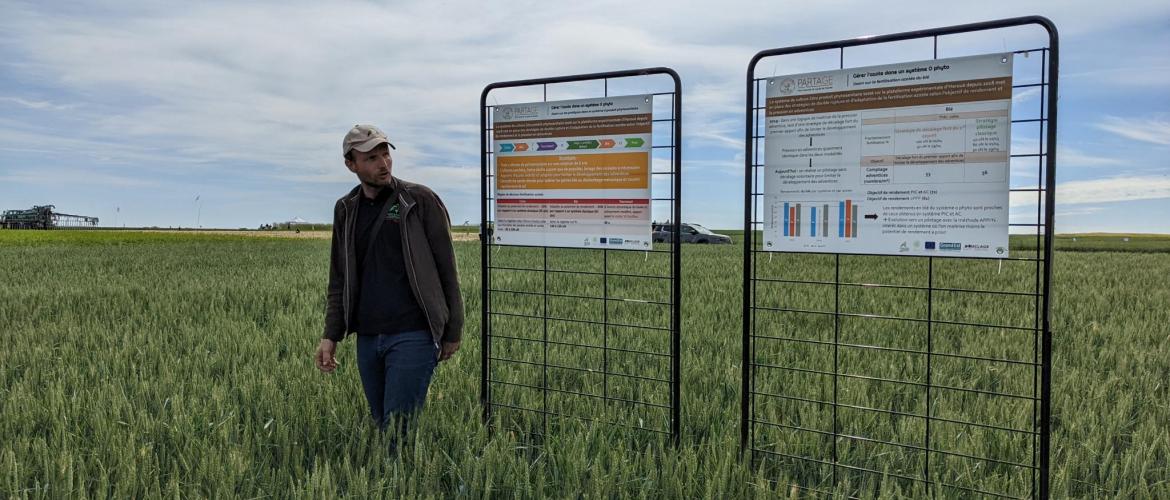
841 219
786 219
814 222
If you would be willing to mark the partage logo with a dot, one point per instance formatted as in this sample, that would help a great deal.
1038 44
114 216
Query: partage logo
518 111
822 82
953 247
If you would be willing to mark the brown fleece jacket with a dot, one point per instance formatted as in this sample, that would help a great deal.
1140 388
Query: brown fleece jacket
429 255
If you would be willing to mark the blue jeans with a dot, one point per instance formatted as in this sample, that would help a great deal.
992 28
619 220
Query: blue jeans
396 370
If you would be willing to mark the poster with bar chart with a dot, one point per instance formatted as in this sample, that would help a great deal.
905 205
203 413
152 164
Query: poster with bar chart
574 173
902 159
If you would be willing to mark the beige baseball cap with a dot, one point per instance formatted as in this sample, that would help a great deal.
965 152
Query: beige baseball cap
363 138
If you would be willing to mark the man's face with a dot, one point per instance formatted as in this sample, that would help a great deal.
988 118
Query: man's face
372 168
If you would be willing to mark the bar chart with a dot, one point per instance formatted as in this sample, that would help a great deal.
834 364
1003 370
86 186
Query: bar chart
812 218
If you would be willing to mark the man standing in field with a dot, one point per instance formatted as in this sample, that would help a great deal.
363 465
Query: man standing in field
392 281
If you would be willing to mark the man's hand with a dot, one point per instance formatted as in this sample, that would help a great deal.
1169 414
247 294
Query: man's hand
324 358
448 350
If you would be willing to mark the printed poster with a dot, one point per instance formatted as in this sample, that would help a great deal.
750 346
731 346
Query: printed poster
573 173
900 159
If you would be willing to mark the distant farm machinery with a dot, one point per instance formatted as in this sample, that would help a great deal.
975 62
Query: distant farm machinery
43 217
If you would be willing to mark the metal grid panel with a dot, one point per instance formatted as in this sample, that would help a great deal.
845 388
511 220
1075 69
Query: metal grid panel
590 336
868 374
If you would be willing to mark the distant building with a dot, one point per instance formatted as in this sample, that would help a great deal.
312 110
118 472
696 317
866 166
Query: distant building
296 223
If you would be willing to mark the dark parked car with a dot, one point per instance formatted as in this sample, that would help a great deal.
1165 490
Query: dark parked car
691 233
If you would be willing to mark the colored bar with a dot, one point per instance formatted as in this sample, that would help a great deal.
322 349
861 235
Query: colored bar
792 221
825 219
848 218
799 217
840 219
521 146
546 146
813 232
607 143
634 142
506 148
854 221
583 144
786 223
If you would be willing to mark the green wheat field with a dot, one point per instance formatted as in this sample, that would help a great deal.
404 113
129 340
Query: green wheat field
145 365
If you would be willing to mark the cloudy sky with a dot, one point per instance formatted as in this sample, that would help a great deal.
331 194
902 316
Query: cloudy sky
128 111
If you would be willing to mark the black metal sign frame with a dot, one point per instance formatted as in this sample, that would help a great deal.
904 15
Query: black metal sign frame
811 425
569 368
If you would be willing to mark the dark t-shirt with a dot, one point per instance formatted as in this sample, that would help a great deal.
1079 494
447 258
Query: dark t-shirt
386 303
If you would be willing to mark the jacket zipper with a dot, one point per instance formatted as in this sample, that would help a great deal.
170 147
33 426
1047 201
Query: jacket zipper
345 249
410 265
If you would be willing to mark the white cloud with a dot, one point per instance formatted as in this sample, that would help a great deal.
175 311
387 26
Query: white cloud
1115 189
1066 156
94 151
729 167
1025 95
1079 211
216 85
721 134
44 176
1151 130
1143 65
223 78
35 104
463 179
